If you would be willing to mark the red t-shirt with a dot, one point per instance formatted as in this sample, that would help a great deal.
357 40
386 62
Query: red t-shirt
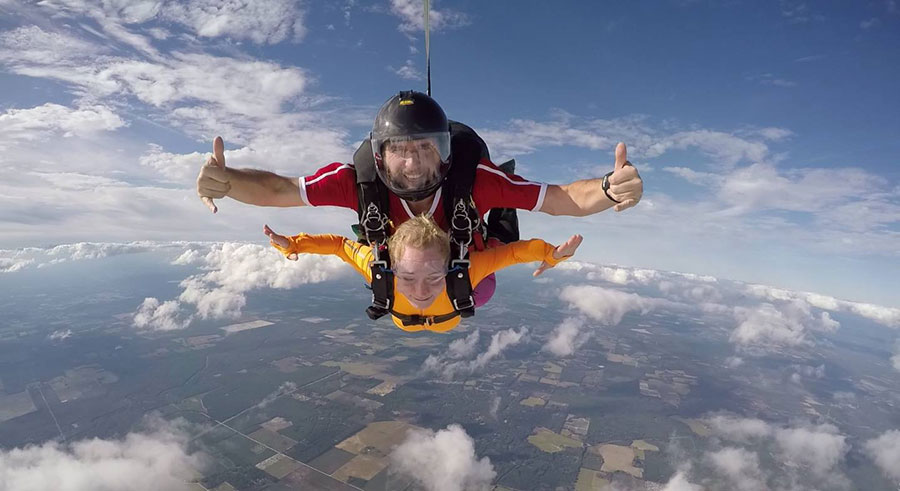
335 185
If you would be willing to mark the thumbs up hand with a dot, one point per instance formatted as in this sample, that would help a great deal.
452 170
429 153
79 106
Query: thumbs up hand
213 181
625 184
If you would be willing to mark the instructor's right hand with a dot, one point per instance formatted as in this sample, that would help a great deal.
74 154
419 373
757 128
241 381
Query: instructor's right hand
213 181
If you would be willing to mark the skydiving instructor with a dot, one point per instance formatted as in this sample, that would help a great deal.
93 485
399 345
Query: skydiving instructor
411 175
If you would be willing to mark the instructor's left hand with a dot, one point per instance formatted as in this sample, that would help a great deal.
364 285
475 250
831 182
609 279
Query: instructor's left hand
625 184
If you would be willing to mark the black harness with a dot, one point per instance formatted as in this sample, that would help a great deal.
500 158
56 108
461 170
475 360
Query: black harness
466 225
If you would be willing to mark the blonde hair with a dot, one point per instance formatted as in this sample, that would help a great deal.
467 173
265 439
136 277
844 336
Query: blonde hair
420 232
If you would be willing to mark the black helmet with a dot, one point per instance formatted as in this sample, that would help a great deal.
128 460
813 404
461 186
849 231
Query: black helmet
415 126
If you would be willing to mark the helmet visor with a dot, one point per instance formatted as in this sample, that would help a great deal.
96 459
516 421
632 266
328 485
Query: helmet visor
412 163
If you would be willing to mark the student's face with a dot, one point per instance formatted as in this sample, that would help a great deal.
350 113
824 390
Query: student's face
420 275
412 164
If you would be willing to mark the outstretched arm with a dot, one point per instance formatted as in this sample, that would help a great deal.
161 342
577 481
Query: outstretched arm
351 252
251 186
522 251
586 197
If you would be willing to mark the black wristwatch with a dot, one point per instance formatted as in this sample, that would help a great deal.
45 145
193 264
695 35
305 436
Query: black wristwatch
606 188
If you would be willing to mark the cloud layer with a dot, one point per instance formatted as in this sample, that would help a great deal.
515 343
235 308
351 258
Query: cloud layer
158 456
444 366
232 270
443 461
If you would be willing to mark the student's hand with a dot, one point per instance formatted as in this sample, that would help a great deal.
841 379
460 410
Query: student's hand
279 240
625 184
565 250
213 181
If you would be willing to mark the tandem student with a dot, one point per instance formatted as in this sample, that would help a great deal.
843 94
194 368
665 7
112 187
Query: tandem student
420 256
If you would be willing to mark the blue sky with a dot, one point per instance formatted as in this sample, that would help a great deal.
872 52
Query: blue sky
766 132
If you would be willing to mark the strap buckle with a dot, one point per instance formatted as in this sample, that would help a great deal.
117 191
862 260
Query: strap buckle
466 304
459 263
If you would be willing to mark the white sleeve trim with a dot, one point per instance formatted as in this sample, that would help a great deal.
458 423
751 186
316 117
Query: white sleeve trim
540 199
503 175
303 183
541 194
303 195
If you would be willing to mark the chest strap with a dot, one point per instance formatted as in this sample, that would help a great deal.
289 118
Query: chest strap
425 320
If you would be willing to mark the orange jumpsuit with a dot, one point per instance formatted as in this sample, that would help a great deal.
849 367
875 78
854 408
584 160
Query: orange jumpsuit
482 264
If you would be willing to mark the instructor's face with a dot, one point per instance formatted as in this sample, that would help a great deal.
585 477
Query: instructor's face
420 275
413 164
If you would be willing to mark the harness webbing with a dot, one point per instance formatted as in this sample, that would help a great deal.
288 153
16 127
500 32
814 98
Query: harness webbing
466 225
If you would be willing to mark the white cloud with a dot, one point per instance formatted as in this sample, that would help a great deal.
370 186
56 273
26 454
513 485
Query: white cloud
18 259
158 455
443 461
112 18
695 177
602 304
408 71
60 335
464 347
869 23
412 15
807 371
166 316
740 467
887 316
613 274
176 167
446 369
817 448
567 337
806 456
31 46
774 133
234 269
679 482
525 136
739 429
284 389
761 186
11 265
42 121
885 451
773 81
895 360
767 326
495 406
725 148
237 87
771 327
260 21
785 319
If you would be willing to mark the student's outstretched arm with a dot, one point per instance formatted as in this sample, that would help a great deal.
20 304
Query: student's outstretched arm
523 251
351 252
587 197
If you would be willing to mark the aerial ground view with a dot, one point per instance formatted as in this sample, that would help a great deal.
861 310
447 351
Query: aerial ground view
192 267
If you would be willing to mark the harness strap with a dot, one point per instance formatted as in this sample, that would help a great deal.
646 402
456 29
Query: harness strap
459 287
382 289
426 320
373 224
